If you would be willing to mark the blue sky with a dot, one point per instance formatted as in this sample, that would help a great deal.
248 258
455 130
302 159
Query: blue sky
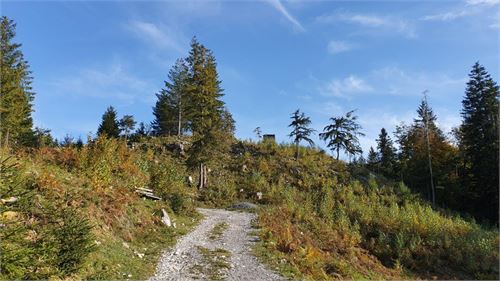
324 57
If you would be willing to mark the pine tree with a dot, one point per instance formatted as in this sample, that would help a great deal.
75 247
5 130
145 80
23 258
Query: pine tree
479 142
16 96
109 125
211 123
169 110
301 130
343 133
127 124
387 153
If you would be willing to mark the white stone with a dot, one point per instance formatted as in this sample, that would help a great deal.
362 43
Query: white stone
165 218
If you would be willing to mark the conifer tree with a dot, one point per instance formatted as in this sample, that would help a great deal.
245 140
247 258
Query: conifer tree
211 123
373 160
258 132
343 133
301 130
109 125
170 108
479 142
387 153
16 95
127 124
418 143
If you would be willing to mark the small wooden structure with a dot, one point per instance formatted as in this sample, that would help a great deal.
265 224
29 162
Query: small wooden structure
269 137
147 193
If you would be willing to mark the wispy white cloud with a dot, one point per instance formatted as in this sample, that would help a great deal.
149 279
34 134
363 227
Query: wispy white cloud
496 21
388 23
345 87
158 35
279 6
467 9
111 81
483 2
447 16
398 82
335 47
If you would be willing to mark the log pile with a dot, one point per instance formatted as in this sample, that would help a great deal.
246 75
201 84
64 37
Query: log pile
147 193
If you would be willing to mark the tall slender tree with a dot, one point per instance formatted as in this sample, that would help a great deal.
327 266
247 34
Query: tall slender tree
479 142
301 130
210 121
16 95
109 125
418 143
387 154
343 134
373 161
170 108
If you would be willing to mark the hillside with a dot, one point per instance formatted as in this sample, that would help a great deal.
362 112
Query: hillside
319 218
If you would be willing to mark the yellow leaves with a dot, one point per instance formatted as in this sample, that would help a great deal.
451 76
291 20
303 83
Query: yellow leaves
10 216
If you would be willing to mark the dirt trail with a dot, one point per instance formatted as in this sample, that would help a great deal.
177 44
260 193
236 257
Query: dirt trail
223 253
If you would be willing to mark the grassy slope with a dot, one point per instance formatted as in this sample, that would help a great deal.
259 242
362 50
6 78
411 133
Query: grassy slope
318 221
127 233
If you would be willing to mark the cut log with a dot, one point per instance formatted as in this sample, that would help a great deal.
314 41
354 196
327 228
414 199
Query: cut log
144 189
147 194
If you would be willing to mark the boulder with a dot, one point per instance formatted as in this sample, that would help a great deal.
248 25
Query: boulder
165 218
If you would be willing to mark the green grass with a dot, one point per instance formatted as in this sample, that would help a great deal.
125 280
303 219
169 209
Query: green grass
214 264
113 260
218 230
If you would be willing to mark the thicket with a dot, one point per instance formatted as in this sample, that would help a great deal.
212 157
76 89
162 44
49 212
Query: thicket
72 211
329 221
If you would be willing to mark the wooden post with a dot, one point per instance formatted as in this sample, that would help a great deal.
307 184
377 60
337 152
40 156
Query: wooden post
201 180
205 176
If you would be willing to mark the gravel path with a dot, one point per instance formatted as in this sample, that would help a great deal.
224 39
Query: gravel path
186 262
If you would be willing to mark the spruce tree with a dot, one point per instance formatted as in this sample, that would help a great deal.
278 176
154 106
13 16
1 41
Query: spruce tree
301 130
169 110
387 153
479 142
373 160
109 125
210 122
16 95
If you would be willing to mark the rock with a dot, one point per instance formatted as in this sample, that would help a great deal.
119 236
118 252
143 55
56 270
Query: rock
165 218
244 206
140 255
189 180
259 195
9 200
125 244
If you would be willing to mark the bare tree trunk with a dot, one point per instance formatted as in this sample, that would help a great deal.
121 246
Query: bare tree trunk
179 128
205 176
201 180
338 152
297 151
433 194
